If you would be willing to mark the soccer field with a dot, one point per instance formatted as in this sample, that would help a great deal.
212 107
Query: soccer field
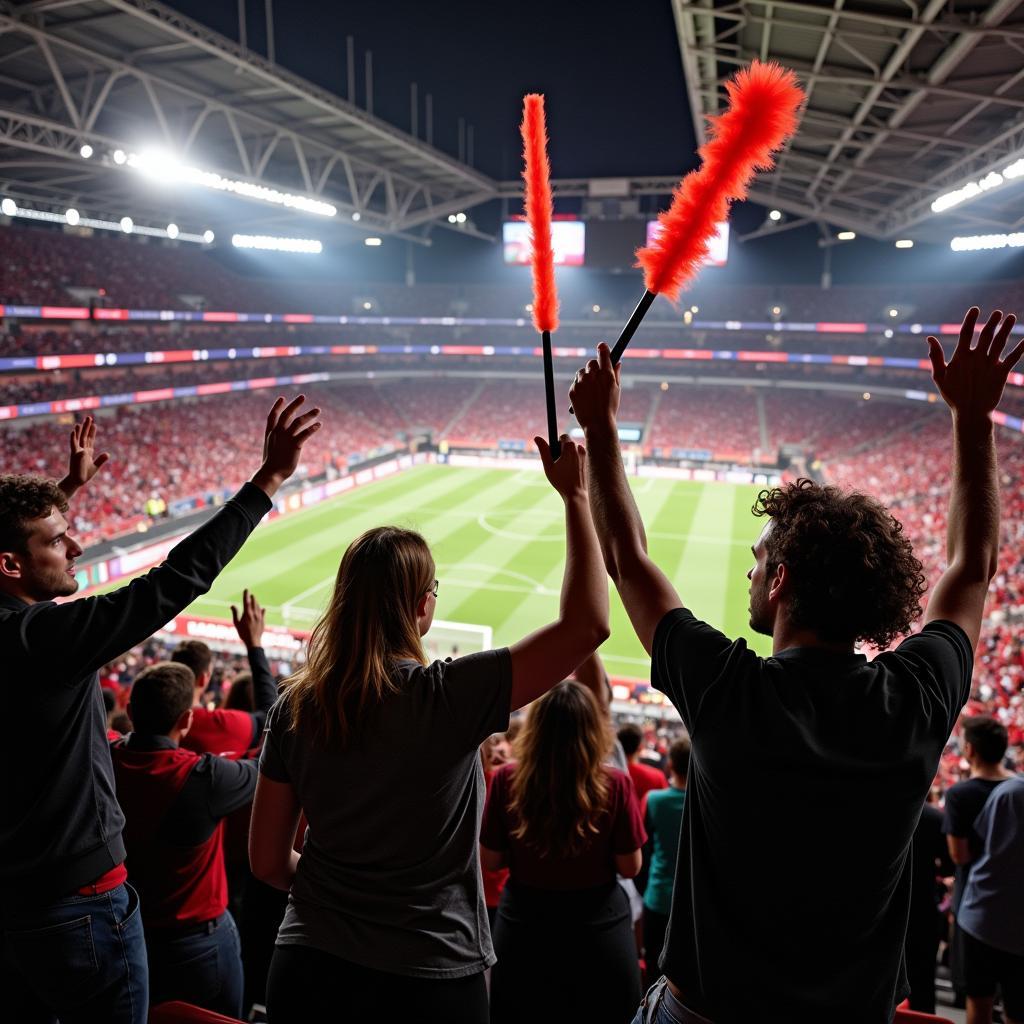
497 538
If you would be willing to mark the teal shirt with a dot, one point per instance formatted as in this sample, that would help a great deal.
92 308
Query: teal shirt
663 821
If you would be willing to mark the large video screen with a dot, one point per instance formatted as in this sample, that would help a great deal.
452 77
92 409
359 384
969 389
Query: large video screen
718 254
567 241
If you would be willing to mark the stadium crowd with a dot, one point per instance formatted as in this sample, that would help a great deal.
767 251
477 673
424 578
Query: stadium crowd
210 792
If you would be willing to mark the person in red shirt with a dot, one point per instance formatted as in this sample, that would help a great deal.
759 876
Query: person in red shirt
224 731
645 778
175 802
564 823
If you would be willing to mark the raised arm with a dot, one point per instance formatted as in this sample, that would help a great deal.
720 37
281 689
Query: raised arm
83 462
95 629
645 590
250 624
550 654
971 383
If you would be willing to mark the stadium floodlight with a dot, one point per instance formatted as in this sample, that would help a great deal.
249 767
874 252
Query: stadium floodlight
904 243
72 216
127 224
373 241
866 396
694 309
172 230
775 215
208 236
894 313
776 311
271 244
356 216
165 168
595 308
86 151
978 243
451 218
367 305
973 189
460 218
846 236
888 332
9 207
120 157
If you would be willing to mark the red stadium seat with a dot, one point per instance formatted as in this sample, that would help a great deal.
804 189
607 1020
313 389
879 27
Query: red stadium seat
912 1017
185 1013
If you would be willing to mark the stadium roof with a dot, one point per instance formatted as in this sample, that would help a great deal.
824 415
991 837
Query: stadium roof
130 74
908 100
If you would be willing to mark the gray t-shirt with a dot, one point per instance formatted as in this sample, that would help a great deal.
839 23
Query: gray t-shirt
389 876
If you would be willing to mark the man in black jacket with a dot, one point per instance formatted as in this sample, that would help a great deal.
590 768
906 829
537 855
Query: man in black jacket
72 938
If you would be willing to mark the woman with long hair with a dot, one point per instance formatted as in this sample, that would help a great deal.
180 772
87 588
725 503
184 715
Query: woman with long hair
386 917
565 823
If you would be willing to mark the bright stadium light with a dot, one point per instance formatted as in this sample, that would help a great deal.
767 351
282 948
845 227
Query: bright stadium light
973 189
451 218
120 157
271 244
775 215
208 236
979 243
846 236
595 308
904 243
127 224
367 305
86 151
9 207
357 216
172 230
694 309
888 332
894 313
460 218
72 216
165 168
373 241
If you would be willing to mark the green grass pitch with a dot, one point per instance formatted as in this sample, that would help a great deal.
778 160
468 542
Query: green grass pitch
497 538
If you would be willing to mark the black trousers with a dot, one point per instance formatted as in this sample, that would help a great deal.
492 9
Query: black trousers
655 925
564 956
308 986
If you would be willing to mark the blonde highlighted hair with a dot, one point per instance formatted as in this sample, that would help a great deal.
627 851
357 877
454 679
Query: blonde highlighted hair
370 624
559 786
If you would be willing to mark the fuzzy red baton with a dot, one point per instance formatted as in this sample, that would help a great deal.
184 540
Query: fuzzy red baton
537 176
763 104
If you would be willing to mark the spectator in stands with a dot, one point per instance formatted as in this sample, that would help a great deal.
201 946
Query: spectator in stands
240 695
991 913
663 817
386 900
225 730
821 728
929 863
564 823
174 802
984 743
644 776
62 874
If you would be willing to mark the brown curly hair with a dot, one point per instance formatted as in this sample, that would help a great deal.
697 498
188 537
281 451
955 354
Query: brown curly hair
22 499
854 574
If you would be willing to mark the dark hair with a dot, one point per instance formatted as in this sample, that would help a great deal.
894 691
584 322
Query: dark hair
988 737
121 723
854 574
630 736
161 694
679 756
22 499
109 700
240 696
194 655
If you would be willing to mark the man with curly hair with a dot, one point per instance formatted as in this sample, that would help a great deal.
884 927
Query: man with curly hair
72 939
808 923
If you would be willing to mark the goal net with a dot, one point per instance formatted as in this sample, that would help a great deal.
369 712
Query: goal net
453 639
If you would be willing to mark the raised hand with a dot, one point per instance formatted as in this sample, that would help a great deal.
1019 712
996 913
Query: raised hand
972 381
568 473
251 621
83 462
595 391
287 431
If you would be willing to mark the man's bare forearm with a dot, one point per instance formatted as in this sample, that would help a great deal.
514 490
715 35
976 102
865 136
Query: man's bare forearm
616 517
972 538
584 588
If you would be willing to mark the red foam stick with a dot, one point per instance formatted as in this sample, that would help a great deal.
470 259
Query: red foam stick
539 205
763 104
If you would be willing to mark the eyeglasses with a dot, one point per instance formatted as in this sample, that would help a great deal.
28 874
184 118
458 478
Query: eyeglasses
433 589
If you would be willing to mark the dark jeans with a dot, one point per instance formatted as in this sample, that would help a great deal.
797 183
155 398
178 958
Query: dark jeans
203 968
307 985
81 959
655 925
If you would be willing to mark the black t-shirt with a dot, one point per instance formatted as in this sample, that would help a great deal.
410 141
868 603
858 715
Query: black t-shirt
807 776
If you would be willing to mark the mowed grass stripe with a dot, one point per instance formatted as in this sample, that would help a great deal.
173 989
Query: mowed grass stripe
703 566
737 616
